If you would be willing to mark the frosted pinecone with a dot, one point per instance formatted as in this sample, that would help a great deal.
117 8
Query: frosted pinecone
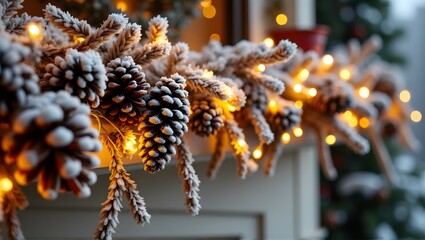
164 122
286 117
80 73
332 96
206 117
125 90
17 79
256 96
49 141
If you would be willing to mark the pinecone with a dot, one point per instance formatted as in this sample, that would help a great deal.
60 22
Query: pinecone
333 96
164 122
285 118
17 79
49 140
256 96
80 73
125 90
206 117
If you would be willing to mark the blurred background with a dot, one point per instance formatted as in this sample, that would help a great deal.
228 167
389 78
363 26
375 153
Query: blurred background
359 204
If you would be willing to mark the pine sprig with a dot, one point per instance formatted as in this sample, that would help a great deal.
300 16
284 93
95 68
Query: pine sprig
261 127
218 154
158 28
10 8
66 22
241 152
151 52
177 58
126 39
190 178
17 24
269 82
136 202
196 82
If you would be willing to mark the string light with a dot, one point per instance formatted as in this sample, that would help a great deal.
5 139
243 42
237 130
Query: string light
298 132
257 153
345 74
298 88
122 6
269 42
281 19
6 184
79 39
273 106
330 139
215 36
404 96
364 92
327 60
208 74
34 31
298 104
231 108
241 143
286 138
205 3
364 122
261 68
416 116
312 92
209 11
303 75
130 144
353 121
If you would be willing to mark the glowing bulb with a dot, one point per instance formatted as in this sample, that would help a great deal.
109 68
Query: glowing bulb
122 6
352 122
327 60
286 138
80 39
312 92
281 19
6 184
231 108
330 139
298 88
241 143
269 42
303 75
257 153
364 122
34 31
345 74
404 96
209 11
130 144
416 116
261 68
347 115
298 104
273 106
215 36
298 132
207 74
364 92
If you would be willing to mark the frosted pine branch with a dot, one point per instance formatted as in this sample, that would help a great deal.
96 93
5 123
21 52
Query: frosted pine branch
271 83
241 152
271 156
190 178
17 24
67 23
10 8
150 52
114 24
239 97
218 155
126 39
136 202
284 51
158 28
177 58
196 82
261 127
113 204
